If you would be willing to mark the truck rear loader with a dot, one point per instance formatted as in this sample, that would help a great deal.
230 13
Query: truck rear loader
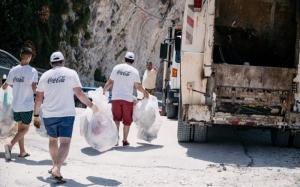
239 66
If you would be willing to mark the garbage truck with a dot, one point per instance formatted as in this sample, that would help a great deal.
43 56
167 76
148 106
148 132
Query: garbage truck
240 66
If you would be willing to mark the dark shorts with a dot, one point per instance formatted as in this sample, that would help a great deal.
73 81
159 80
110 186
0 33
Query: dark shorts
24 117
59 126
122 111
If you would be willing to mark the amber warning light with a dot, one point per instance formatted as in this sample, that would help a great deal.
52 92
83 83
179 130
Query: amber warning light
197 5
174 72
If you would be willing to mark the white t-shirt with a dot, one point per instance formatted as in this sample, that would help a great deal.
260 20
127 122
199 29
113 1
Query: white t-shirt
149 79
57 85
124 77
21 79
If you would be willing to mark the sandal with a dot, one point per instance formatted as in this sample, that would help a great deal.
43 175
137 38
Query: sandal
26 155
125 143
58 179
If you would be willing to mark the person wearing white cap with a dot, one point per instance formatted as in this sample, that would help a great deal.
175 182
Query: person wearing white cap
123 77
56 90
23 78
3 78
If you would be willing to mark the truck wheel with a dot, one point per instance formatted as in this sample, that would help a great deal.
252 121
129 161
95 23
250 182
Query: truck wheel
183 132
280 138
171 113
79 104
163 110
296 141
200 133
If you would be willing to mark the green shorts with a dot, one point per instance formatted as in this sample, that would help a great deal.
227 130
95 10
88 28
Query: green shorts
25 117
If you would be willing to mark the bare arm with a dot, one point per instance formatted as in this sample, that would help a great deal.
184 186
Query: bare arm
38 102
139 87
82 97
34 85
108 84
4 86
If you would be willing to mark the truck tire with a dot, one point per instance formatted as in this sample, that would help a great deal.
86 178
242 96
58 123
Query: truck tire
280 138
163 110
296 141
171 112
183 132
200 133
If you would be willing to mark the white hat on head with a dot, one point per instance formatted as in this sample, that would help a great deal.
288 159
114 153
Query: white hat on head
56 56
129 55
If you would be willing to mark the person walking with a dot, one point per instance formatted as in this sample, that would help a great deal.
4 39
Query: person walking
56 90
3 79
23 78
123 78
149 78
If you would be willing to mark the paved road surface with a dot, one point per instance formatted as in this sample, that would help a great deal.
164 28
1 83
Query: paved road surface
230 158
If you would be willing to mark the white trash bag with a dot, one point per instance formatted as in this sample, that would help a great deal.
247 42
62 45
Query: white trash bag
6 112
144 112
99 129
151 133
42 130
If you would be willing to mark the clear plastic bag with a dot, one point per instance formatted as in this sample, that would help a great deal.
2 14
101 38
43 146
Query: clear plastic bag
42 130
149 121
99 129
144 112
6 111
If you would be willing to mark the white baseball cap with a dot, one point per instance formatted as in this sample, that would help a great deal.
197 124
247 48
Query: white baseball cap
56 56
129 55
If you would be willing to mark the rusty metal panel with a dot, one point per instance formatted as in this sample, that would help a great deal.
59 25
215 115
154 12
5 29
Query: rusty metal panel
257 77
198 113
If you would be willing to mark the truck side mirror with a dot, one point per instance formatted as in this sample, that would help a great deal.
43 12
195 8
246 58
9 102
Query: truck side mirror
163 51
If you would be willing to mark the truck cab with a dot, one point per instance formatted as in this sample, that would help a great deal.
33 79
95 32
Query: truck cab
170 54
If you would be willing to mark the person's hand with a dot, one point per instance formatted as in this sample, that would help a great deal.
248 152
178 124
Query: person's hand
146 94
95 108
37 122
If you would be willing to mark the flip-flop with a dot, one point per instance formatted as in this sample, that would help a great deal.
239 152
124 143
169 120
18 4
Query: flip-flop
26 155
7 152
58 179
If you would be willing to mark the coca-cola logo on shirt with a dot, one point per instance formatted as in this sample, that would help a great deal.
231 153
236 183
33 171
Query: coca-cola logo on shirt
59 79
18 79
124 73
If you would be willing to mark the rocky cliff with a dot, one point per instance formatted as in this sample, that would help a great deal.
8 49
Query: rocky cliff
117 26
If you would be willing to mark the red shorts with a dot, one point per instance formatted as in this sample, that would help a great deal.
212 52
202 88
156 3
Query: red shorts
122 111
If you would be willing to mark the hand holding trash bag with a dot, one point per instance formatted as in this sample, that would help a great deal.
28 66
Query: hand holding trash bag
37 121
95 108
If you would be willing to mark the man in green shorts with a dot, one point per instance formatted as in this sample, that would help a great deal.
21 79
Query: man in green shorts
23 78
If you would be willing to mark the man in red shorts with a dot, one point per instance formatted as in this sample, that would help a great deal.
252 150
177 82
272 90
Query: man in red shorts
123 77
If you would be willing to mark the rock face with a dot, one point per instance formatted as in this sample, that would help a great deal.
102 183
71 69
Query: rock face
117 26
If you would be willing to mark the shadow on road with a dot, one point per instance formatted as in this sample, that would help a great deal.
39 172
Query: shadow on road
90 151
140 148
98 181
251 148
27 161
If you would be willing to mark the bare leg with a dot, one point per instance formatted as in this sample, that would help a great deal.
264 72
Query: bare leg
125 132
53 149
117 124
62 154
19 137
